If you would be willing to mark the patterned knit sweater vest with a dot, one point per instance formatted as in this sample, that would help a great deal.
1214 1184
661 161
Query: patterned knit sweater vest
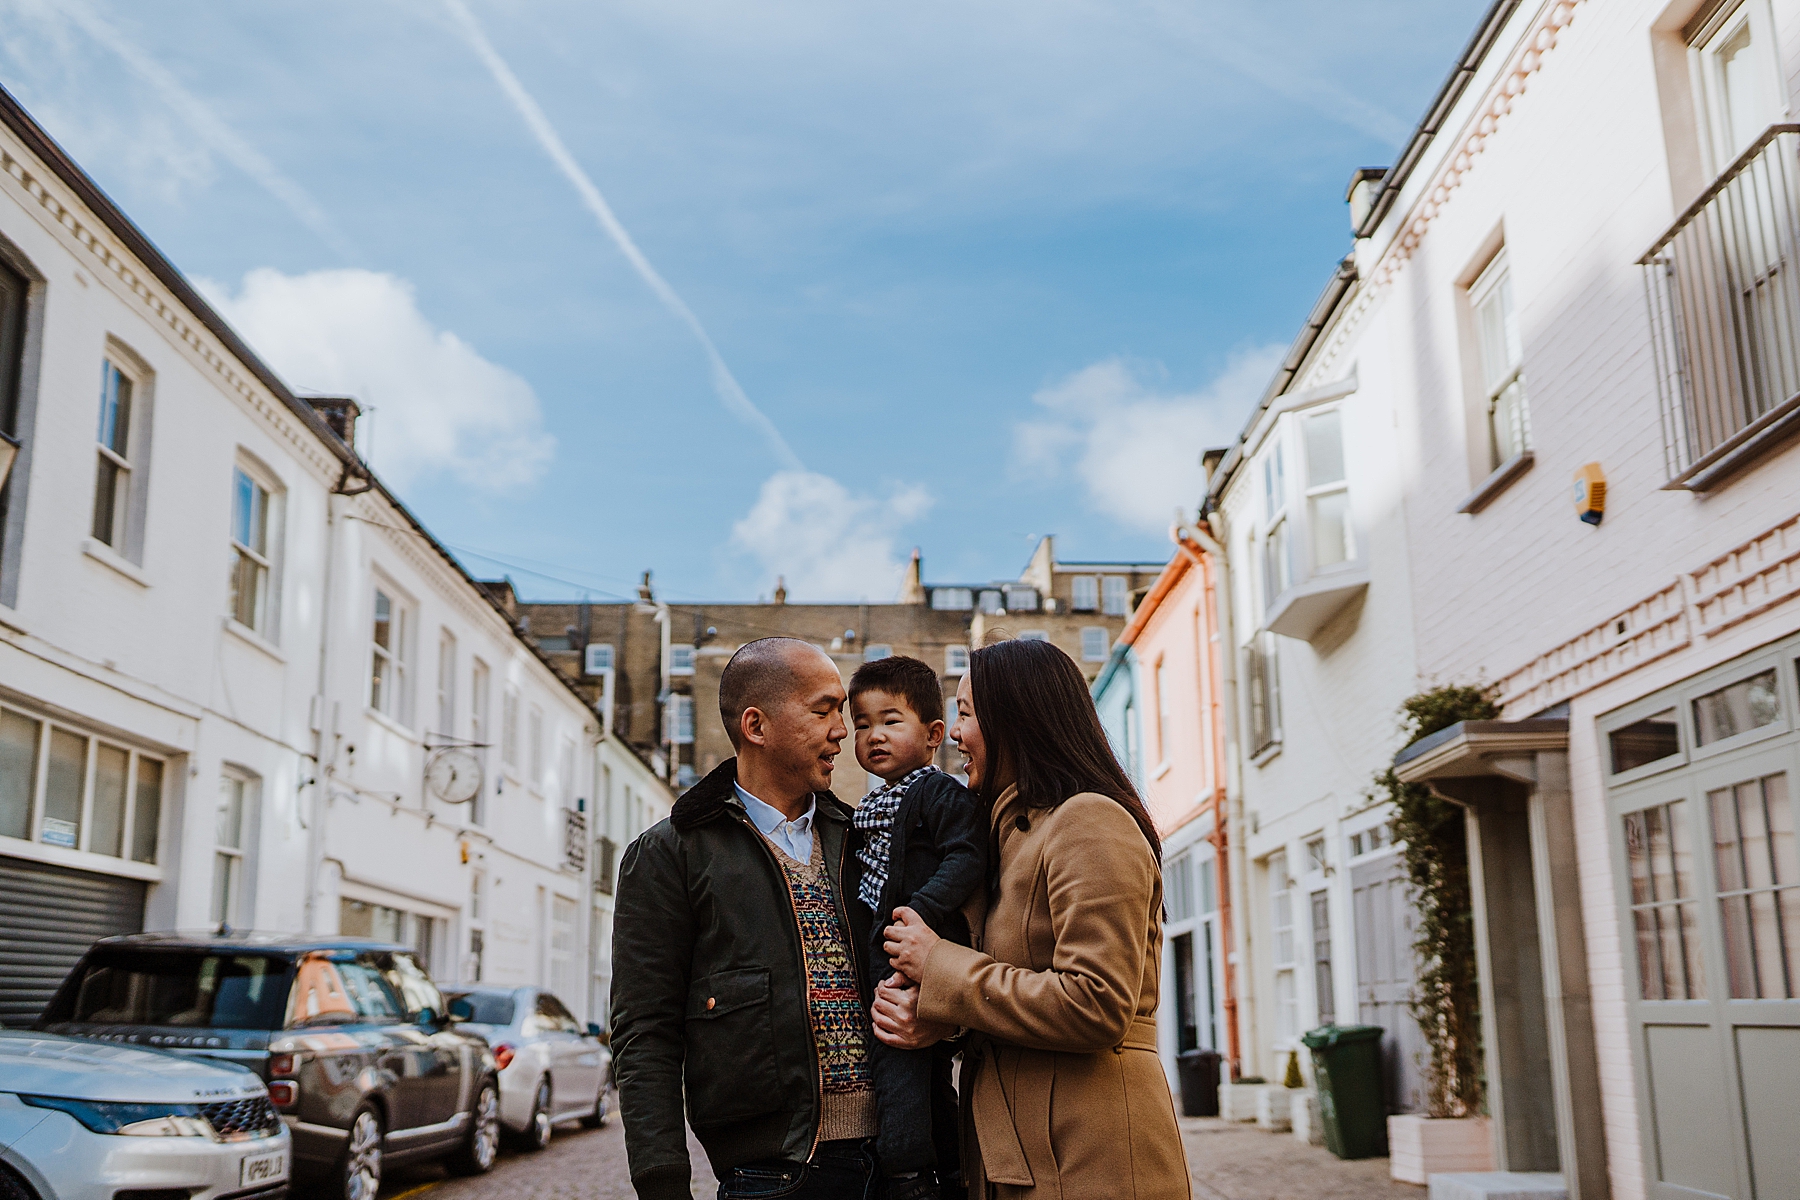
840 1027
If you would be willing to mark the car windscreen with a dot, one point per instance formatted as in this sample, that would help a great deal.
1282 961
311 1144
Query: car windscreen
187 988
491 1008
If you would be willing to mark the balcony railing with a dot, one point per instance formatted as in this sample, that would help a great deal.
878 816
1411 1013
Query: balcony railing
1723 287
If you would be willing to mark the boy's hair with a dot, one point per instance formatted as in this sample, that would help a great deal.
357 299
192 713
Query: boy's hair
908 678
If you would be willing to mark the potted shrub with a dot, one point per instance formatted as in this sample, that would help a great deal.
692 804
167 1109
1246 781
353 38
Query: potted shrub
1451 1134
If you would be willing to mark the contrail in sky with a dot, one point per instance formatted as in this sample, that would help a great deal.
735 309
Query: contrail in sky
724 382
213 131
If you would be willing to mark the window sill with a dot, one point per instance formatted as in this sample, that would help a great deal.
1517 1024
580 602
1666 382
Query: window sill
101 553
1741 450
84 860
1304 609
254 639
1497 482
1262 757
391 725
1161 769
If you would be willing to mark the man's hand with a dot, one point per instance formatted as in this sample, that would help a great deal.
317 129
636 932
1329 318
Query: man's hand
896 1015
908 942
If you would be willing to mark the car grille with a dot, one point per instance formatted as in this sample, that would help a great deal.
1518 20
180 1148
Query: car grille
253 1117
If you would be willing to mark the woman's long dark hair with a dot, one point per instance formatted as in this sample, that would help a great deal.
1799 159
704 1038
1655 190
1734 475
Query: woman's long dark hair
1040 727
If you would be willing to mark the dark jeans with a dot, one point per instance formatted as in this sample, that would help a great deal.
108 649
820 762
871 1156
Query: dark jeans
916 1106
843 1170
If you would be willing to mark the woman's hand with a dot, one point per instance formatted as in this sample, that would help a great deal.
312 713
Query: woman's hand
896 1015
908 943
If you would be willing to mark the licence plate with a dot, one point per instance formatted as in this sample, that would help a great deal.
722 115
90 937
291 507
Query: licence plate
262 1168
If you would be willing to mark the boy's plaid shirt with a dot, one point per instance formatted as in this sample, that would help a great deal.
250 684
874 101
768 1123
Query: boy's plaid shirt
875 817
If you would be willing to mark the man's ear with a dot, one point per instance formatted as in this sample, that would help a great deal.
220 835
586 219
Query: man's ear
753 727
934 734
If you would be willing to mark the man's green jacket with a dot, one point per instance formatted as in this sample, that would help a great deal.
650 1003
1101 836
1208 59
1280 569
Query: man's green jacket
709 988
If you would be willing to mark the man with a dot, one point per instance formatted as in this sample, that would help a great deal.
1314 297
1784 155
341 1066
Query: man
737 975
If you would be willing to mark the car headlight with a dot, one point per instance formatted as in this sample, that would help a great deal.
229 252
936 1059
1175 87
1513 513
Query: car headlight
130 1120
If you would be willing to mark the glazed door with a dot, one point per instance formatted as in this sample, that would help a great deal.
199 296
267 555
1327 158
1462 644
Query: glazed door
1385 972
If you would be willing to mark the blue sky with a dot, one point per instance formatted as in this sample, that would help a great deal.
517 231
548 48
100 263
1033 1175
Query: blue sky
987 271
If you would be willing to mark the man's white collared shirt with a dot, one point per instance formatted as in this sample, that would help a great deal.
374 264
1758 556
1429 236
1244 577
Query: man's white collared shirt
795 837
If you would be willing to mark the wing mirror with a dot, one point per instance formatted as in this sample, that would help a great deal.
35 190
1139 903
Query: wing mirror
461 1009
428 1018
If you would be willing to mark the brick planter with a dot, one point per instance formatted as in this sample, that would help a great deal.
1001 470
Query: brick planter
1419 1146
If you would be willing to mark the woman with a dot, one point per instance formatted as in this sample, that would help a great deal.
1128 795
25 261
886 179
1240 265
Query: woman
1064 1095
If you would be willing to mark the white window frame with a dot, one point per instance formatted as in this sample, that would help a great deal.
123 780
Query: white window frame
597 659
681 658
956 660
1084 593
1283 958
1096 643
1712 107
395 700
1115 596
509 730
1314 494
265 563
138 766
446 683
228 897
1493 291
1159 680
680 719
877 652
1027 596
952 599
1262 663
534 746
126 520
1034 635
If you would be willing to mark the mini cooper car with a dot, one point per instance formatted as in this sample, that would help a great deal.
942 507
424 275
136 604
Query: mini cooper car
362 1058
552 1069
81 1121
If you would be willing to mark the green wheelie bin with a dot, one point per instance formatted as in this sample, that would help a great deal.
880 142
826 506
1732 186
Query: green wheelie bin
1352 1101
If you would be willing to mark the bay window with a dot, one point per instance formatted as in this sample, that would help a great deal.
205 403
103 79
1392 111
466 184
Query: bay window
1308 565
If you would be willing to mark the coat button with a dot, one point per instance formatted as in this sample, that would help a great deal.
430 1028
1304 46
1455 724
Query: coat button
1023 823
710 1002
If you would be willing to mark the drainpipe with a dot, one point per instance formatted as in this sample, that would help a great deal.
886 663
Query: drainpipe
324 721
1210 562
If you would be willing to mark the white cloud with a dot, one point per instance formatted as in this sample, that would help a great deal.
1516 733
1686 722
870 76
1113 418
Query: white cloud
1137 451
828 543
441 407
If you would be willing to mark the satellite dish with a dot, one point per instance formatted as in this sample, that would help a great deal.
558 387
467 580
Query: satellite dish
453 775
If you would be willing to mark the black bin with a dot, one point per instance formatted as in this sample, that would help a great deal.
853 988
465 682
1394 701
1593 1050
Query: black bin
1198 1071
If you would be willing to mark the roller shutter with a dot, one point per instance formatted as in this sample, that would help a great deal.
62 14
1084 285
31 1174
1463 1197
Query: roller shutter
48 917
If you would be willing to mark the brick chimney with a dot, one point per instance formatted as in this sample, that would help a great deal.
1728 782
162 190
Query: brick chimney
339 412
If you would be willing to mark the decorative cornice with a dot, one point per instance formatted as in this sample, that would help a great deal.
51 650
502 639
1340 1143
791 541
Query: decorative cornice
1748 579
1509 84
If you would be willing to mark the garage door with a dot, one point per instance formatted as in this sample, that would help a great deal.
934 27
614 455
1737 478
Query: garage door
48 917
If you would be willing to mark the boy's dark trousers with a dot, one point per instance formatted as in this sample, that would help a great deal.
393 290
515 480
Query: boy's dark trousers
915 1102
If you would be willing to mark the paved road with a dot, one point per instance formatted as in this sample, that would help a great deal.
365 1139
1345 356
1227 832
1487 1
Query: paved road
579 1165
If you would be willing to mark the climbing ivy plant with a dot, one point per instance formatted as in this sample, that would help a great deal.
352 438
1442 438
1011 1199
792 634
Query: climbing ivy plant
1446 1001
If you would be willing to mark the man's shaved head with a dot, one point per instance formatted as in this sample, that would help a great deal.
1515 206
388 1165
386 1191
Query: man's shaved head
761 675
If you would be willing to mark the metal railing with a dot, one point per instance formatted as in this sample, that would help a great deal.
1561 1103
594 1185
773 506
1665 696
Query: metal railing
1723 288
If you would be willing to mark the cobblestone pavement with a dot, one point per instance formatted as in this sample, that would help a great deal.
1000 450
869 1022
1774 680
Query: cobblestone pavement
1242 1162
1228 1162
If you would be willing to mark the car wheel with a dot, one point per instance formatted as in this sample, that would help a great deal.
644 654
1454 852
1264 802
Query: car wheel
14 1188
536 1134
597 1118
359 1167
482 1145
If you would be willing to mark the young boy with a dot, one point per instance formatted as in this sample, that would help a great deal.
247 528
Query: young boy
923 845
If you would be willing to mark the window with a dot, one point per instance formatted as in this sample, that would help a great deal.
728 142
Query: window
606 854
1264 692
117 484
991 603
230 827
1738 708
1327 498
877 651
681 719
952 599
599 658
535 746
391 645
956 660
1208 888
478 733
1034 635
1659 857
1502 377
1281 931
1086 597
1115 597
1732 55
1649 740
1324 990
681 659
509 728
361 918
563 940
1160 681
1094 643
1371 840
1758 872
1021 599
1315 855
63 787
446 683
250 552
15 292
1178 883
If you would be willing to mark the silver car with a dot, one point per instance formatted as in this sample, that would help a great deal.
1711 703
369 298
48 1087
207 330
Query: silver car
84 1120
551 1068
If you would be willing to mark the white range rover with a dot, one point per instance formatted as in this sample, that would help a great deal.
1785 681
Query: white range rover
83 1120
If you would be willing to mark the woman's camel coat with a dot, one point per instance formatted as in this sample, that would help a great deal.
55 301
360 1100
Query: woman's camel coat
1064 1095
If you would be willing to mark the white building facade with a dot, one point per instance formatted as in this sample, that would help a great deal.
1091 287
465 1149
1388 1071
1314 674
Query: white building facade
239 683
1565 350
